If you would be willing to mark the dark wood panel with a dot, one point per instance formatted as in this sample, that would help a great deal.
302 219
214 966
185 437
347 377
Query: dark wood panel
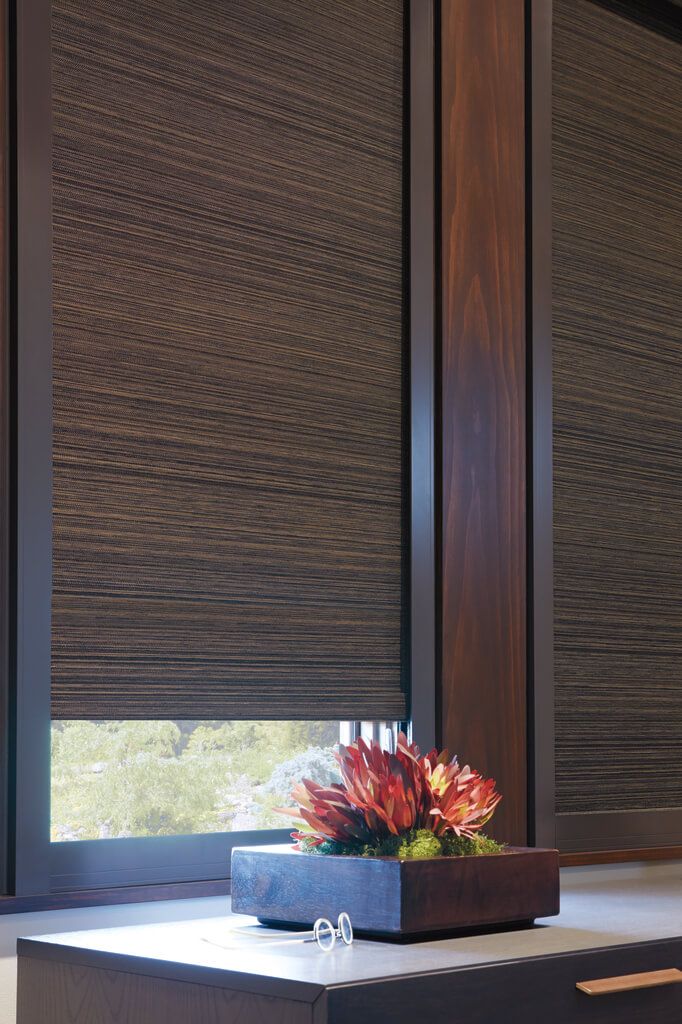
537 990
617 243
229 347
483 397
571 860
58 993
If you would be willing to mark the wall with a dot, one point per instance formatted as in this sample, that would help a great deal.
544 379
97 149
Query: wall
15 925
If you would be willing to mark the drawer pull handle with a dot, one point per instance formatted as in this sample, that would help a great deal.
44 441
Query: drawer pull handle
628 982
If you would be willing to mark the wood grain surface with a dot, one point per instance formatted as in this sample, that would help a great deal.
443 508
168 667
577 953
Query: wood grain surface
630 982
397 899
228 359
655 853
483 398
54 993
535 991
617 207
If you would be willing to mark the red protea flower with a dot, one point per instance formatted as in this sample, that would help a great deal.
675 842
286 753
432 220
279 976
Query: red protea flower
389 789
328 815
384 794
462 800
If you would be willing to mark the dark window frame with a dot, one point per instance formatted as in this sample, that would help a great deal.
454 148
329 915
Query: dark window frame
36 866
5 424
585 838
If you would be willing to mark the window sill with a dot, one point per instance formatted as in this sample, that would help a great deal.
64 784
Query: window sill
113 897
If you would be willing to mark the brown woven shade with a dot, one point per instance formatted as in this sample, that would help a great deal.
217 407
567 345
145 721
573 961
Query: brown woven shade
228 359
617 260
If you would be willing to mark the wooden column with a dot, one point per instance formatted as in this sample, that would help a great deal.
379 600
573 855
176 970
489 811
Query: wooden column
484 397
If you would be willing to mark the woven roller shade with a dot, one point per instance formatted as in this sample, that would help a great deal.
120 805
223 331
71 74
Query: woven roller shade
618 410
228 359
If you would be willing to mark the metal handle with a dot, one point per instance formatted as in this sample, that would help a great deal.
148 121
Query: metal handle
628 982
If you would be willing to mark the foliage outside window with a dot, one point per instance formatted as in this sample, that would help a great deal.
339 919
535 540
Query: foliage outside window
123 779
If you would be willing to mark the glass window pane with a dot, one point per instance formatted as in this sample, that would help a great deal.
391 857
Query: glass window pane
116 779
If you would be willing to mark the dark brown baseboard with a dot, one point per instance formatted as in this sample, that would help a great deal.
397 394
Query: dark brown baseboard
571 860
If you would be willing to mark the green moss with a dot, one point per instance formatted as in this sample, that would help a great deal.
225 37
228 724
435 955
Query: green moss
421 843
329 847
460 846
418 843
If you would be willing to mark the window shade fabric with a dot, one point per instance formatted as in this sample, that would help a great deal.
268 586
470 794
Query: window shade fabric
617 338
228 358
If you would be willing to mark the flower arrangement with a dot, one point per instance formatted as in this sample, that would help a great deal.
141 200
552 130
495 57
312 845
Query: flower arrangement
397 804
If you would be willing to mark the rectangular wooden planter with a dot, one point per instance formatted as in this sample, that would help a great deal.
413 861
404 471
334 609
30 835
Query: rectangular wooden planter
399 899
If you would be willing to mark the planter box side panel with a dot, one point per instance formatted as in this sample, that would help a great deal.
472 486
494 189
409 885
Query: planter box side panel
468 892
279 885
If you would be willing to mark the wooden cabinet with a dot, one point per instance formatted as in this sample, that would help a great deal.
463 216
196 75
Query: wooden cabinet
204 970
52 992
